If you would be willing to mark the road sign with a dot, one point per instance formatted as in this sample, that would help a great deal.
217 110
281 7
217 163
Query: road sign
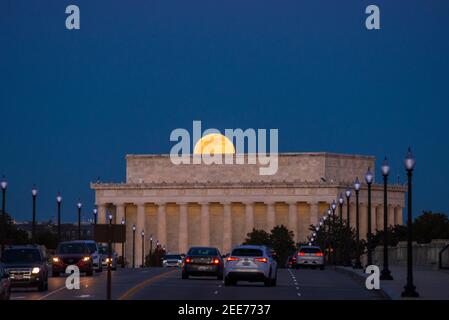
115 233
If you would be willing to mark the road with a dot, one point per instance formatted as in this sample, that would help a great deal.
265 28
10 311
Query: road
166 284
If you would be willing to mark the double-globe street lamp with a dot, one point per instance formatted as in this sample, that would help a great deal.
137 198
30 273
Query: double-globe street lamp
33 226
369 178
409 289
4 185
58 204
385 274
357 263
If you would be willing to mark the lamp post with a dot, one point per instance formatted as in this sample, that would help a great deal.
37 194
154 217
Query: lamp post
348 194
143 248
157 253
385 274
151 249
79 205
109 279
341 200
369 180
134 246
357 263
4 185
123 246
58 202
95 212
33 226
409 289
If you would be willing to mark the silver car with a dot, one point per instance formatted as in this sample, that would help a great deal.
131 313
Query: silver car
172 260
309 256
104 252
250 263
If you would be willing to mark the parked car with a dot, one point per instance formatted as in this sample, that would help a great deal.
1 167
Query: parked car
202 261
94 254
5 285
104 253
73 253
250 263
310 256
27 266
172 260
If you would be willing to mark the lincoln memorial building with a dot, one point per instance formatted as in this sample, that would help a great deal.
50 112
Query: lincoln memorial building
217 205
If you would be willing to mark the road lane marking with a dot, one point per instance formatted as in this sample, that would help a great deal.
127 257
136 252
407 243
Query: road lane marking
216 292
128 294
58 290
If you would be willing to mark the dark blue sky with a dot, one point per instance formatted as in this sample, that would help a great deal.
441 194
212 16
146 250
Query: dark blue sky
73 103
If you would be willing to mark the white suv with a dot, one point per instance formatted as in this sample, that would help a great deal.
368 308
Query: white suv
250 263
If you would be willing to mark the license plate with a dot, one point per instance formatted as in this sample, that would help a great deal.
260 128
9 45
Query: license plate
17 277
246 264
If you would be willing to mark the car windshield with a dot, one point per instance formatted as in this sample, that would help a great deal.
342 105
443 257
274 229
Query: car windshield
21 256
72 248
92 247
310 250
203 252
247 252
172 257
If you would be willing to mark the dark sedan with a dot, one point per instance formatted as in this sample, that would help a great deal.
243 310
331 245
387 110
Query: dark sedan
202 261
72 253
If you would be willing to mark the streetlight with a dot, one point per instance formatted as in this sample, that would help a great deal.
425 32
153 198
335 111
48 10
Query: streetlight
143 247
95 212
385 274
4 185
348 194
109 279
409 289
357 263
369 178
340 204
123 245
79 205
33 226
134 245
151 248
58 202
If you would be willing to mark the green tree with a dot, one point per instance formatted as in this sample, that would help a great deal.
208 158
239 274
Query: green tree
430 226
281 240
258 237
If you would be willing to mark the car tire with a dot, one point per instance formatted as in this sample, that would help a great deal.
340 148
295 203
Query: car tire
41 286
322 268
114 269
274 282
267 282
55 274
185 275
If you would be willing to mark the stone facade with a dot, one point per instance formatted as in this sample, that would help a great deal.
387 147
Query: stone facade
217 205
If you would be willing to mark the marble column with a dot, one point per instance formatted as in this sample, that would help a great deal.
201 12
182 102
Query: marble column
293 219
183 229
205 224
391 215
314 213
101 219
271 216
119 215
140 226
398 215
227 228
380 217
162 225
249 217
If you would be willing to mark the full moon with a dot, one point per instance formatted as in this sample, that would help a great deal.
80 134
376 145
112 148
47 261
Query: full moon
214 143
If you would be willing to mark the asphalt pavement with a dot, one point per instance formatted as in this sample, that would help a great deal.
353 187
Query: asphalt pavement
166 284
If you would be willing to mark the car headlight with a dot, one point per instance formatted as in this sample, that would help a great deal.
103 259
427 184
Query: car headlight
108 260
55 259
35 270
85 259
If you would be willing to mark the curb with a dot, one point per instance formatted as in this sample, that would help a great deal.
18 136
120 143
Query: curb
385 294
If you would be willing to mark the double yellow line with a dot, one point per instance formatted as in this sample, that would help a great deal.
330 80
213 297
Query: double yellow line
128 294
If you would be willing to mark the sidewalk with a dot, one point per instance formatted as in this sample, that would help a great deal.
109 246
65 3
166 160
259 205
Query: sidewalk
430 283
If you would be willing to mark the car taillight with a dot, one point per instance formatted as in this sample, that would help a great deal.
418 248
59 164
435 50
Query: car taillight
232 259
265 260
187 260
319 254
302 254
215 261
